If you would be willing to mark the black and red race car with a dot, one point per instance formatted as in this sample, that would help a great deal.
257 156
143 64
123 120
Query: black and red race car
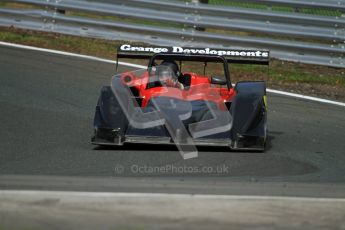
164 104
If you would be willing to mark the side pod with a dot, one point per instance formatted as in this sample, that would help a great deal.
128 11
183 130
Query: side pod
249 113
110 123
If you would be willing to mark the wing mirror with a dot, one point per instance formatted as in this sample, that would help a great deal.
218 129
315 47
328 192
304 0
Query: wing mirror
218 81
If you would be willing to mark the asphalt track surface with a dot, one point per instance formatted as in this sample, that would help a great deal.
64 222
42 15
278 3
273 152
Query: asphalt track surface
47 105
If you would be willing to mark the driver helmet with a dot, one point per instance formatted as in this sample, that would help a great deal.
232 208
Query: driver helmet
168 70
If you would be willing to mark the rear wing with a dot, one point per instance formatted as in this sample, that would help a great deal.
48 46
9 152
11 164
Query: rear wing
260 57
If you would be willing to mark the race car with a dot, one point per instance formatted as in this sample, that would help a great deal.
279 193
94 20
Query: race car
164 104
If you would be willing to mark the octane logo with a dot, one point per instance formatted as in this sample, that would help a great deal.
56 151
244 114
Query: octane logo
171 113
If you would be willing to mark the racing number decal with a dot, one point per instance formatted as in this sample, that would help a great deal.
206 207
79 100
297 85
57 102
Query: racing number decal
165 114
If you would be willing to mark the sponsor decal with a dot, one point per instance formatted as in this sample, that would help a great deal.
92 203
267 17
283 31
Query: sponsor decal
202 51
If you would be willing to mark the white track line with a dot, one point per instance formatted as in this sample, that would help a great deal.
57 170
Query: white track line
42 194
299 96
70 54
305 97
